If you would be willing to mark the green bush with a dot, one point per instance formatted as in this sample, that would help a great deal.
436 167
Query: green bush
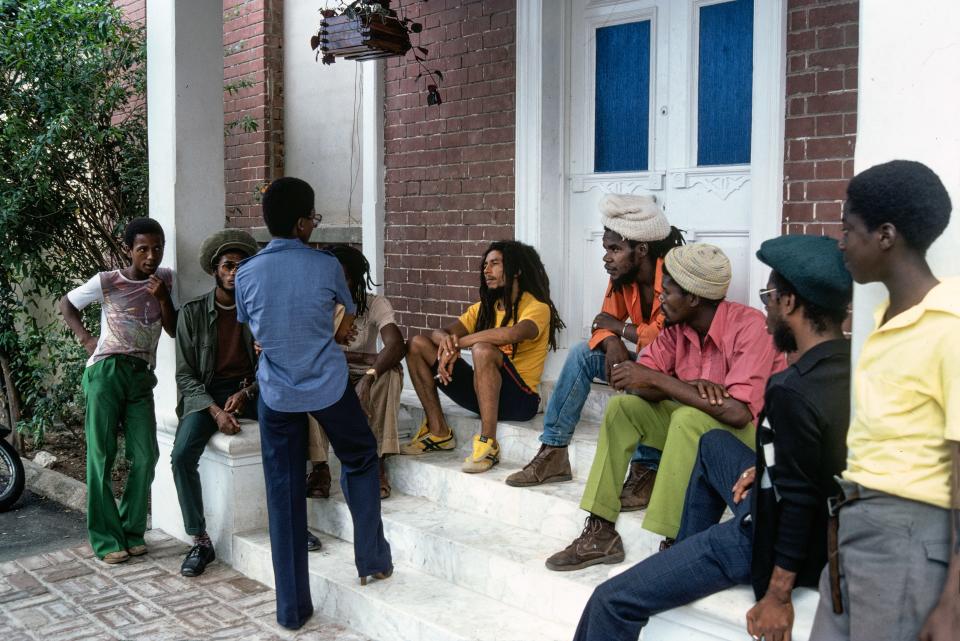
73 171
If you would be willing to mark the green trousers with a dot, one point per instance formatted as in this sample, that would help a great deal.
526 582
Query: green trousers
674 429
193 433
119 391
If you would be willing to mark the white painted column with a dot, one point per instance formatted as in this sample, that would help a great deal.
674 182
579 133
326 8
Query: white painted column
372 153
185 137
907 109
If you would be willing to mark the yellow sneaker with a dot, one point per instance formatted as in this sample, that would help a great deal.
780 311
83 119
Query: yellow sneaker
486 454
424 442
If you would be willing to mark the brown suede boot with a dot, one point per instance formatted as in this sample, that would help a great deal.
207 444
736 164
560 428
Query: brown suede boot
598 543
638 487
318 481
550 465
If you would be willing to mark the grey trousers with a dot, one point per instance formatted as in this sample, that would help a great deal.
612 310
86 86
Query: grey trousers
893 562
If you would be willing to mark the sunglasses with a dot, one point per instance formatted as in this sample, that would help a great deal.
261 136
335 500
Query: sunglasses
766 295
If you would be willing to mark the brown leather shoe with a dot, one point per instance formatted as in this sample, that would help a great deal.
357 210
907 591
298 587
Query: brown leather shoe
598 543
550 465
318 481
385 488
638 487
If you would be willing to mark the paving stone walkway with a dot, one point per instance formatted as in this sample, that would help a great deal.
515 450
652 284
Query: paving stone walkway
69 595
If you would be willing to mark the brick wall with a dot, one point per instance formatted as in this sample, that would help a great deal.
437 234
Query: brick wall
253 54
133 10
821 120
449 170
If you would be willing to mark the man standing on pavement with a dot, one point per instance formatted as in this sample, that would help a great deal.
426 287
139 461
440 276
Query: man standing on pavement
287 294
706 370
897 572
636 237
776 539
508 332
136 304
216 382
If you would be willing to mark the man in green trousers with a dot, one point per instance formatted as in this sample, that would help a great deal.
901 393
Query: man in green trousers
706 370
136 303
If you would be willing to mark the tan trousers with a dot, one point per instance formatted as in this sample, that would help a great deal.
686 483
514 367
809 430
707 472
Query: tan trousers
384 407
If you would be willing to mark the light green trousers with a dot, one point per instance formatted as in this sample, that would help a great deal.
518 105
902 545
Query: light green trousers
119 390
674 429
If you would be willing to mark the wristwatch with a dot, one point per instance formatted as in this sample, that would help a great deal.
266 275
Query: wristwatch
371 372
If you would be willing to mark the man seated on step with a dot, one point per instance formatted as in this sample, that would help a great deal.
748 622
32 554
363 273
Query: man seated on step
376 376
706 370
777 538
636 237
216 383
508 333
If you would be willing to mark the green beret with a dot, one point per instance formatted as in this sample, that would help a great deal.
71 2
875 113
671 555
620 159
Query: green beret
224 241
813 265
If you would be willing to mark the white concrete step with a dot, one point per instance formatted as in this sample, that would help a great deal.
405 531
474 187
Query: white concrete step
497 560
409 606
519 440
551 510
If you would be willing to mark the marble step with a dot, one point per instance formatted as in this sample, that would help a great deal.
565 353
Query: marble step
551 510
519 440
409 606
497 560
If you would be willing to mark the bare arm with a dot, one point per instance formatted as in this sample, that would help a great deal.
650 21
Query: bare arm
772 617
944 619
654 386
525 330
394 349
71 315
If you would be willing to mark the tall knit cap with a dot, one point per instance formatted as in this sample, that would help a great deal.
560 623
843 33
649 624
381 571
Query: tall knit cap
700 269
813 265
636 218
223 241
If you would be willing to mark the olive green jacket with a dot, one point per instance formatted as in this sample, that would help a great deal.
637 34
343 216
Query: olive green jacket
197 353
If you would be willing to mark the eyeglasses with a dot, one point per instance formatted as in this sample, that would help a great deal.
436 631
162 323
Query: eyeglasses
314 218
229 266
765 295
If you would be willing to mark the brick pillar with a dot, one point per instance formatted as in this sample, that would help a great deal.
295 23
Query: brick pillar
253 55
449 170
821 120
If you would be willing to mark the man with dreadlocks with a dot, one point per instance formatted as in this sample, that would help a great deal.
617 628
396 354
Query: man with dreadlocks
508 333
376 376
636 237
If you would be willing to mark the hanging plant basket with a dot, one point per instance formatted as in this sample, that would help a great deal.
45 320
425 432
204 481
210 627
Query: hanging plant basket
363 35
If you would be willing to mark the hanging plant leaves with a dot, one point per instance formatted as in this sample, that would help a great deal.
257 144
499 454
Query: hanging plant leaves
328 59
423 50
416 27
328 13
314 41
438 74
433 96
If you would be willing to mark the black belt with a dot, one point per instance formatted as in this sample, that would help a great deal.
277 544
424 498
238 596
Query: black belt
834 503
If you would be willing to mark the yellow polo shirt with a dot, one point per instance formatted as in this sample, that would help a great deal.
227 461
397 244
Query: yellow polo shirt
531 354
907 400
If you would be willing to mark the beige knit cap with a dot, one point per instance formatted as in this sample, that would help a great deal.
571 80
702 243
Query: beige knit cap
634 217
700 269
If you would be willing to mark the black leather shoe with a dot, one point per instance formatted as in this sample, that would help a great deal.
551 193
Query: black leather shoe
313 543
198 558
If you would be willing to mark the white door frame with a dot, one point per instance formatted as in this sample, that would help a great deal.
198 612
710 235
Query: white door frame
542 78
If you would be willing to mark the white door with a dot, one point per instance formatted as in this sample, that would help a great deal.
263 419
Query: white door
660 103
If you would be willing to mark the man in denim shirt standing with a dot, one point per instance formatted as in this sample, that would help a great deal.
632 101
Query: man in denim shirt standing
287 294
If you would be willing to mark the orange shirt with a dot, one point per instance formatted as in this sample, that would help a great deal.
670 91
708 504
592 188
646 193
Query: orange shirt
626 304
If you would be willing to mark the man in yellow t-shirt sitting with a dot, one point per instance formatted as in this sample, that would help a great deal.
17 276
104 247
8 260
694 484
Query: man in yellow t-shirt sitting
897 573
508 333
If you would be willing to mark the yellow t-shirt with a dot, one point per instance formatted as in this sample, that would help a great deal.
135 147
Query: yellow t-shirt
530 354
907 400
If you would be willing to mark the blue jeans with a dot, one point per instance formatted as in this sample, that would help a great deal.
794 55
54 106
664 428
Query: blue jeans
283 442
708 557
570 394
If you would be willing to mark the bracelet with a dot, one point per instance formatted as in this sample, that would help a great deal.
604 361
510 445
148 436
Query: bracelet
246 392
623 332
372 372
217 415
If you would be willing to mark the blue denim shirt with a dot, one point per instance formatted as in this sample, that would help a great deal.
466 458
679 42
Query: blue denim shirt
287 294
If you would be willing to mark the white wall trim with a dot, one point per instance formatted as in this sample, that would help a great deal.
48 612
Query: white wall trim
372 153
766 147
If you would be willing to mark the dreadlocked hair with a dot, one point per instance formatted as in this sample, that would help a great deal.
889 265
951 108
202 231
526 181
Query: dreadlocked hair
659 248
521 264
358 270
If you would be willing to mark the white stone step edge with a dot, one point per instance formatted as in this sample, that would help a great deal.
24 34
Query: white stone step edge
496 560
552 509
409 606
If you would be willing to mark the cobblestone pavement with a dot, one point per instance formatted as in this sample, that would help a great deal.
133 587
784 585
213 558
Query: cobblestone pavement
69 595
